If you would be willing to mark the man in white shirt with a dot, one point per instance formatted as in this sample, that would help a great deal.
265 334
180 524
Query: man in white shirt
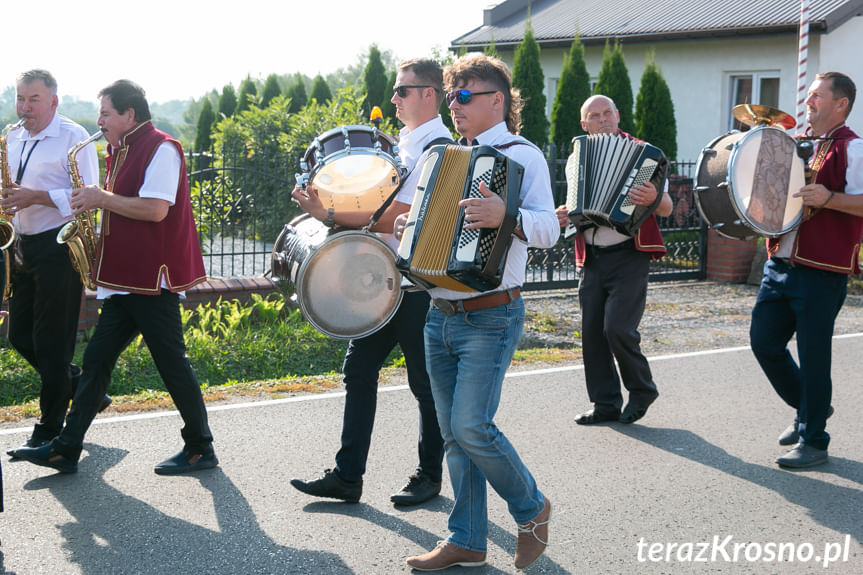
417 96
46 297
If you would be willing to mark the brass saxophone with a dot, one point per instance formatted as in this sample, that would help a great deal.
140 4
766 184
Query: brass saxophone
80 233
7 230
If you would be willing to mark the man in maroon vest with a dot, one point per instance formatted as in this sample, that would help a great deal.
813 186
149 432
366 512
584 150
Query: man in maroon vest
148 254
804 282
612 293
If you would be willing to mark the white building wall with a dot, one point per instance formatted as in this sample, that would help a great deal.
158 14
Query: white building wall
840 51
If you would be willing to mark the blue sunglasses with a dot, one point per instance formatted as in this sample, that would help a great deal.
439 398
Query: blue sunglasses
464 96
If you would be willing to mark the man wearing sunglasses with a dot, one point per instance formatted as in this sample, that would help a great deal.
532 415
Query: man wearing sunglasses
612 292
470 341
417 96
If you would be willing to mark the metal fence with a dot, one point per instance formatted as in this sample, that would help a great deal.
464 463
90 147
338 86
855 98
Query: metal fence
243 203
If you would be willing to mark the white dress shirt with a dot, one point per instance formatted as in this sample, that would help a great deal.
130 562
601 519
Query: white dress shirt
46 168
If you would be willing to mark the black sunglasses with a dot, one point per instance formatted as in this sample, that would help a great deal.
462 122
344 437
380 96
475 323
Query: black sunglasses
402 91
464 96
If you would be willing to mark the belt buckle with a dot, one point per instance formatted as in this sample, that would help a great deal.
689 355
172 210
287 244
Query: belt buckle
445 306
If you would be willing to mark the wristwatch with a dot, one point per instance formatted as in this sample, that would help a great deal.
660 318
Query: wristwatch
329 221
517 227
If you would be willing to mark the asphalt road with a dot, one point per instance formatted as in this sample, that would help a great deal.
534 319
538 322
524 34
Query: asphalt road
691 488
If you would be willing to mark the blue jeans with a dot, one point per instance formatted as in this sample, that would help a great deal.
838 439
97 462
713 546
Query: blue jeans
806 301
467 356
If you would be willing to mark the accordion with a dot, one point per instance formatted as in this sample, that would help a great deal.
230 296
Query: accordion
599 175
436 250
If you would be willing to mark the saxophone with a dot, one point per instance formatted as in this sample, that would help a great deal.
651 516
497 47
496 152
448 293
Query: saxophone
80 233
7 230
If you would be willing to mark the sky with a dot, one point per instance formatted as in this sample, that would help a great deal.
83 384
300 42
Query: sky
179 49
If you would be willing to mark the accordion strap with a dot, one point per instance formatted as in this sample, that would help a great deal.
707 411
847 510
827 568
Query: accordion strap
380 211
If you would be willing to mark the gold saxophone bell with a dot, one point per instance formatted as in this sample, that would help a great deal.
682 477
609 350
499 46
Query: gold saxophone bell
80 234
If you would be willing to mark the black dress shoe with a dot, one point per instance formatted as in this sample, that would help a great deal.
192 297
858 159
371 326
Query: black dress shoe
593 416
332 486
420 488
791 435
185 462
633 412
47 457
106 401
13 452
802 456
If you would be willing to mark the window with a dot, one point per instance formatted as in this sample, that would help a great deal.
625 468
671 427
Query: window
753 88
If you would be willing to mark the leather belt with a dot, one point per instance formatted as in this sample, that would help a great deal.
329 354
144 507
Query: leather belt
624 245
787 262
450 307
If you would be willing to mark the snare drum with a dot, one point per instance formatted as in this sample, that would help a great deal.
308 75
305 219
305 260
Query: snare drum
347 284
354 168
746 182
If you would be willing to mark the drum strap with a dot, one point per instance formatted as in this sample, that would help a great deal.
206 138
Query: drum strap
380 211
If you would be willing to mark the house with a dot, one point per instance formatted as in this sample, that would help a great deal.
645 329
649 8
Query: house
713 55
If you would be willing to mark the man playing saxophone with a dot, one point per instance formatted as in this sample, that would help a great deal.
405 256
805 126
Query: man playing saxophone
46 295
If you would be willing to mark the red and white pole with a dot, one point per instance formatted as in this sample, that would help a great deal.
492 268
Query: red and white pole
802 57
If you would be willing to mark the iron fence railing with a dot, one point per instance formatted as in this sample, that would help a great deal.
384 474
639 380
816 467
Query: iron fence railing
243 202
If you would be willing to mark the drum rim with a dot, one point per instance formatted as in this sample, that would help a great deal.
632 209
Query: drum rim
301 298
734 197
351 128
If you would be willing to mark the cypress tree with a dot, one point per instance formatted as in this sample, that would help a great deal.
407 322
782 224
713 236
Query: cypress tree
297 94
374 80
227 101
205 126
271 90
614 83
654 110
248 92
527 76
388 109
321 90
572 90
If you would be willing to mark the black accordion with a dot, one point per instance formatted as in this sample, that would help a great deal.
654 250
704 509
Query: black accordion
436 250
599 175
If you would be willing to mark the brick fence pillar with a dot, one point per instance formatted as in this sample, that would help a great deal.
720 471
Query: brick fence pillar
727 259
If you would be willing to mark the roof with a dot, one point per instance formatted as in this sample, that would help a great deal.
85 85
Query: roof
555 22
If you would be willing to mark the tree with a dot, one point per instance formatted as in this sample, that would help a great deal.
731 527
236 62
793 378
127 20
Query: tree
654 110
573 89
321 91
227 101
527 76
271 90
205 126
374 80
388 109
248 95
297 94
614 83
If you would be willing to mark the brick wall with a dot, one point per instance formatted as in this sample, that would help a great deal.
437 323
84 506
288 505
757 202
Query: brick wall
729 260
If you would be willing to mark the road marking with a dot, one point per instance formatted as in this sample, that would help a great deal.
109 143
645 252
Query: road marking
335 394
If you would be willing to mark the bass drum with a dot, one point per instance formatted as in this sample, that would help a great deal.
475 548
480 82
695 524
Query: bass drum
746 182
347 284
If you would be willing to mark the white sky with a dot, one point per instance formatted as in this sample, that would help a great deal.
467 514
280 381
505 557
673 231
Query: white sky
178 49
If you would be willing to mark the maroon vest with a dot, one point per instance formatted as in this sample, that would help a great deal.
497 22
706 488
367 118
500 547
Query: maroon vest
648 238
134 255
829 240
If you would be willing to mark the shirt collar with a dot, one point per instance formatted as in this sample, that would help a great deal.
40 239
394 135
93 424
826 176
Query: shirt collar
493 135
52 130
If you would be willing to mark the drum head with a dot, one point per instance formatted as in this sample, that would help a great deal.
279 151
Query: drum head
763 175
349 287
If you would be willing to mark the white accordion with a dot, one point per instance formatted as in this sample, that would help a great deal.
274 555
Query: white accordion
601 171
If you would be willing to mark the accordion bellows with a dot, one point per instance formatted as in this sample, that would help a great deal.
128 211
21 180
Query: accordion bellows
599 174
436 250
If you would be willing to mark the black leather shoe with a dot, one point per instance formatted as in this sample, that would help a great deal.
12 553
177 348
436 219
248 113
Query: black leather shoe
791 435
185 462
633 412
332 486
27 444
47 457
106 401
420 488
803 455
592 417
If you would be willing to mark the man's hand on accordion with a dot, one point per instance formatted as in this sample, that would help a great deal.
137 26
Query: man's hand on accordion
485 212
643 194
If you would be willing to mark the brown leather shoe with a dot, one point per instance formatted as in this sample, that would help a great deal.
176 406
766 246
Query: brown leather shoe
532 538
447 555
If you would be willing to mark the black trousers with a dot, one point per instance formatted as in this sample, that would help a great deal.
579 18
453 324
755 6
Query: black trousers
123 317
43 322
612 293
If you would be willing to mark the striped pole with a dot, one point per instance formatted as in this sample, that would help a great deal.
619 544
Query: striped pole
802 56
